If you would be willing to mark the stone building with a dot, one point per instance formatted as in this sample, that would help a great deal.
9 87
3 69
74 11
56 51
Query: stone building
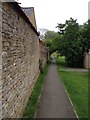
20 59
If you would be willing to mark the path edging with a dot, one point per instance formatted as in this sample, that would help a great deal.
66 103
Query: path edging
70 101
69 98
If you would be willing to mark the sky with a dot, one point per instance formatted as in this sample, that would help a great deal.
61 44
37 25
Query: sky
50 12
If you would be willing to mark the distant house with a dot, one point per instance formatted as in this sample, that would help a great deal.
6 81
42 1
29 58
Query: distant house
29 11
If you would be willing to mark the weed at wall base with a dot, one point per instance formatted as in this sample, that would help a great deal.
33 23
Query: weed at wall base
33 102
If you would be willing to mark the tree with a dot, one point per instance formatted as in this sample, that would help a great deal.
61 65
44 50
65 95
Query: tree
50 34
72 41
86 35
72 45
51 39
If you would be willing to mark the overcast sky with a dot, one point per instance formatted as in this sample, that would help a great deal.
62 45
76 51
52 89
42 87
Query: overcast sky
50 12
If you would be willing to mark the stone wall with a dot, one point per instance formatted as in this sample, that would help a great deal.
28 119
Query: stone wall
20 60
44 54
87 60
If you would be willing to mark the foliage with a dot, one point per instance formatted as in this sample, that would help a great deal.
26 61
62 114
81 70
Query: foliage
50 34
74 43
51 39
86 35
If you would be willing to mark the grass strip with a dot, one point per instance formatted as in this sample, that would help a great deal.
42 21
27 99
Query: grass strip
33 102
76 84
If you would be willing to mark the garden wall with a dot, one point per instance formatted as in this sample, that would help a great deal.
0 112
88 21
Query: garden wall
20 60
44 53
87 60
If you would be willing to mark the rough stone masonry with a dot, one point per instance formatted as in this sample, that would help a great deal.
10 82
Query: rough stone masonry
20 60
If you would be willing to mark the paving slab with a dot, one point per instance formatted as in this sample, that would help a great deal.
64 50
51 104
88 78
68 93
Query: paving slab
54 101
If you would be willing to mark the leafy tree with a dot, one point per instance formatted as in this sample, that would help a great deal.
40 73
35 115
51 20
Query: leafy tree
50 34
51 39
74 42
86 35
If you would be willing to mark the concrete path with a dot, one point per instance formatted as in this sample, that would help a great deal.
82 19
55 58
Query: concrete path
54 102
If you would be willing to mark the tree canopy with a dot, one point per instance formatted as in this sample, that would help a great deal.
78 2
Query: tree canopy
72 41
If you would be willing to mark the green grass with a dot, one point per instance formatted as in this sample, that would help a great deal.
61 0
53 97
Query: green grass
33 102
76 84
61 62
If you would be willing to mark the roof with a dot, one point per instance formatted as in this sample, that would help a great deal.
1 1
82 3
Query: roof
29 11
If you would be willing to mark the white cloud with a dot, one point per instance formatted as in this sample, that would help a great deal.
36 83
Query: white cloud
50 12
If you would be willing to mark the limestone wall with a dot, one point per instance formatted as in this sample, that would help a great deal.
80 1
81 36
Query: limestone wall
87 60
43 53
20 60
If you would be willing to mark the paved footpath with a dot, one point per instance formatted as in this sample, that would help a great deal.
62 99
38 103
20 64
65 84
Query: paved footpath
54 102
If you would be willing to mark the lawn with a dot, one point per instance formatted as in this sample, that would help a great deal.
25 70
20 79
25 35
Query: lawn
76 84
33 102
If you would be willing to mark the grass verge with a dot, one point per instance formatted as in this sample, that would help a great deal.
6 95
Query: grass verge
76 84
33 102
